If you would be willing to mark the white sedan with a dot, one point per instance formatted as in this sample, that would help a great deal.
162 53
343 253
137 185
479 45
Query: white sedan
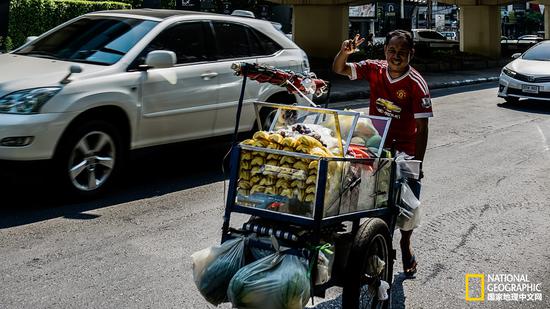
528 76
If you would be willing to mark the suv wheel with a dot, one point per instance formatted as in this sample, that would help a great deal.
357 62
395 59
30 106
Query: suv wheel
89 158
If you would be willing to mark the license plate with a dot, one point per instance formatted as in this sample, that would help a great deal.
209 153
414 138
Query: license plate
530 88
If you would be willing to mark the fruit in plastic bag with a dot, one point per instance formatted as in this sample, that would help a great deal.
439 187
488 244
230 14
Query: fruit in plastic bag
214 267
277 281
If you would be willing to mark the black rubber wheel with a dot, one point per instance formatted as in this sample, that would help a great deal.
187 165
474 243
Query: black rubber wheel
511 100
89 157
372 240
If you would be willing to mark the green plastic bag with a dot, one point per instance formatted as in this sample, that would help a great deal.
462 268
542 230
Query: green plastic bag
214 267
277 281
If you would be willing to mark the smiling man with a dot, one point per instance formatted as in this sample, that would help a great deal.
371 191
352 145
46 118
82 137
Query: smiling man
398 91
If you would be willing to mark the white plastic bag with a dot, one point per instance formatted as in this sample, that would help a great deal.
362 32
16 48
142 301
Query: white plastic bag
214 267
410 211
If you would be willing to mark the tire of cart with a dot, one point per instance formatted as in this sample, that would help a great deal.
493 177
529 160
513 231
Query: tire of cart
372 240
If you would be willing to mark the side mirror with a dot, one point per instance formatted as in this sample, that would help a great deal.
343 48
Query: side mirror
160 59
30 38
516 55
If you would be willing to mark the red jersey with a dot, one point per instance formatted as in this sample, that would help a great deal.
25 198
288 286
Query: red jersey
403 99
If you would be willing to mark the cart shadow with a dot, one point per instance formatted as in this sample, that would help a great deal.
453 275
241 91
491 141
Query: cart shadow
397 295
149 173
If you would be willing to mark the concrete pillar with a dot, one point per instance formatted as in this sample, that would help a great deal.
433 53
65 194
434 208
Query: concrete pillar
320 29
547 22
480 30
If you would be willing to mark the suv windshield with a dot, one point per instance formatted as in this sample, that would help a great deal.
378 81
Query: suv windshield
539 52
431 35
92 39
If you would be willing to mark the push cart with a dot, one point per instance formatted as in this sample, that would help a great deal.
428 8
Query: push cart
309 199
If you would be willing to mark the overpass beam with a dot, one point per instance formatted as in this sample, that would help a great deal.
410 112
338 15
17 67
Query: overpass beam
480 30
320 29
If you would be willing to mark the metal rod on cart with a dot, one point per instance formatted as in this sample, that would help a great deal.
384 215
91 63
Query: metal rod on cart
239 107
301 94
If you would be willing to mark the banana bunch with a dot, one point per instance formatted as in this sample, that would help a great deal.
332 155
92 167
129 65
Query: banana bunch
288 176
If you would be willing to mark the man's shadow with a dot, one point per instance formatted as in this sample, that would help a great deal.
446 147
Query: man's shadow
397 292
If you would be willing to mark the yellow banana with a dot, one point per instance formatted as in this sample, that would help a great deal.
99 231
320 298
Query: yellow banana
243 184
261 135
313 165
297 184
257 188
310 179
270 190
246 155
257 161
276 138
288 141
300 165
288 159
245 175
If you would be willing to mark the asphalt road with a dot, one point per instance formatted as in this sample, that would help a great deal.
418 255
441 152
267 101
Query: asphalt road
484 199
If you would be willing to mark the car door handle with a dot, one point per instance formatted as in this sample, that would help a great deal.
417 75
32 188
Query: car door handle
208 76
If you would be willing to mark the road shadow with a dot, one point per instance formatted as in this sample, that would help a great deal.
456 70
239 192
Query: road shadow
31 196
440 92
528 106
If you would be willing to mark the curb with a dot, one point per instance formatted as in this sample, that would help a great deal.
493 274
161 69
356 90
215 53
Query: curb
336 97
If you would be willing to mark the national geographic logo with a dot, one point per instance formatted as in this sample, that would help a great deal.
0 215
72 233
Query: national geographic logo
501 287
475 287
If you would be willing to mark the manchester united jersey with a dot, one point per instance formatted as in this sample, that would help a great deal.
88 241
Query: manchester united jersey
403 99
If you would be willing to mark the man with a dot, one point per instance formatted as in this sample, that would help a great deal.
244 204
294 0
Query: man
397 91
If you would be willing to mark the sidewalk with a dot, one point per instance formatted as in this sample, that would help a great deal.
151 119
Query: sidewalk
343 89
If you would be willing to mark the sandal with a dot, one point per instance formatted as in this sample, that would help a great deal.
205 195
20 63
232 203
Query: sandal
409 267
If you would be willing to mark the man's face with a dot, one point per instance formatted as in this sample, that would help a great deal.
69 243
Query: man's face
398 54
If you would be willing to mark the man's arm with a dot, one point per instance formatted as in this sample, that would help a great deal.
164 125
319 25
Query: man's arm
421 138
348 47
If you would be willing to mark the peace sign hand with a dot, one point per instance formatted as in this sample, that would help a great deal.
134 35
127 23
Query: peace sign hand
350 46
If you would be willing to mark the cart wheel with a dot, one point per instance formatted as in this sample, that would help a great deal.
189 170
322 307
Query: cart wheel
372 241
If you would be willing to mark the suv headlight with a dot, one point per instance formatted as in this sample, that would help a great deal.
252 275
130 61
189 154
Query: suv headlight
28 101
508 72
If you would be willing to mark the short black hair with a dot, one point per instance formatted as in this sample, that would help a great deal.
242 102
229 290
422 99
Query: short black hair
402 34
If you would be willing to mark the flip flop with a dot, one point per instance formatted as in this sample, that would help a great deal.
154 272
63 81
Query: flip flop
409 267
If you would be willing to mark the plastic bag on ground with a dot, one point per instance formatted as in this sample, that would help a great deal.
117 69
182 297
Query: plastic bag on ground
278 281
214 267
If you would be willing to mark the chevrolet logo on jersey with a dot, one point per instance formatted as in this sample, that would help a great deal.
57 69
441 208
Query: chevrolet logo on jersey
388 108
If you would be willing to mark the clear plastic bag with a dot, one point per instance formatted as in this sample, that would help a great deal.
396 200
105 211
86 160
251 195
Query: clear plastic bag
214 267
409 209
278 281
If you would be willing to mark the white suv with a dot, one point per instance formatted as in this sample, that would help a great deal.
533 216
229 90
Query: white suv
86 92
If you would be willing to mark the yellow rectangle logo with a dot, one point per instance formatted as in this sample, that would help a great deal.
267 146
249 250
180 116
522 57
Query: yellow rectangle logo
481 278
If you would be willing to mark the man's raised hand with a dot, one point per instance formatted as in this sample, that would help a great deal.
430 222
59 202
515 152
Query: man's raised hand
350 46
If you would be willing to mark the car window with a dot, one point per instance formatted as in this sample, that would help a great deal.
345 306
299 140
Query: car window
94 39
538 52
269 46
188 40
431 35
232 40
